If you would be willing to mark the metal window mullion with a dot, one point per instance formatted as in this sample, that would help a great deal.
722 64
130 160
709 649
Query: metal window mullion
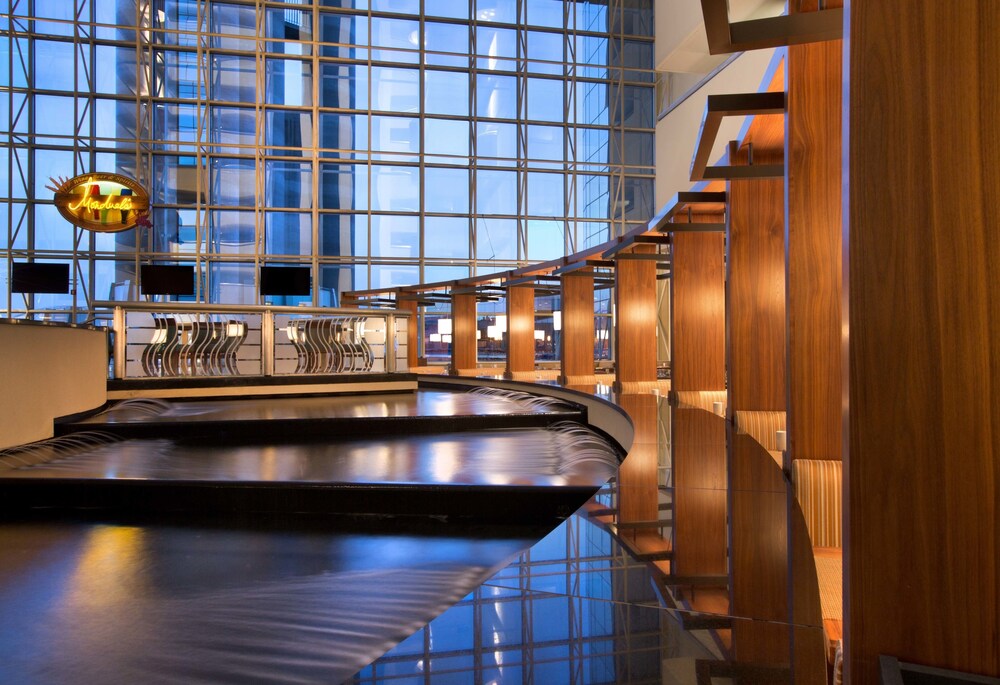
202 277
260 180
474 148
522 134
29 187
314 114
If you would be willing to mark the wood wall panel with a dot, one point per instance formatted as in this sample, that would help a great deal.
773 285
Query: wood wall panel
698 441
922 273
698 310
635 332
463 337
520 330
813 178
577 348
756 292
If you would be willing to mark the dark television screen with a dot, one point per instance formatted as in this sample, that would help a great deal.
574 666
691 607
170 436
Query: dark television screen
284 280
33 277
161 279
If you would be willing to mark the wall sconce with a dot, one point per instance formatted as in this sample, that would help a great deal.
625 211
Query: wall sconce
444 326
557 320
434 337
445 338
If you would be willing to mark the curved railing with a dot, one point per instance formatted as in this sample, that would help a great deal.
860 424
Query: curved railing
178 340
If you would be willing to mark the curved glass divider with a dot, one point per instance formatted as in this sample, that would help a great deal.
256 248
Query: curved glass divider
723 539
187 340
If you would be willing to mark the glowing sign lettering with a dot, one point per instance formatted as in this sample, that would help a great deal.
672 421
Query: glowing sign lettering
101 202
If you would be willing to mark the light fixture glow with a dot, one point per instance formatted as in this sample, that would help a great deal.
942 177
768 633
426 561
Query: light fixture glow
444 326
557 320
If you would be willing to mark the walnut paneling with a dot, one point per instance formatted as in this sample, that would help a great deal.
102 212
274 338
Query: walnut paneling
923 396
463 327
755 299
698 440
635 332
520 330
698 309
577 346
813 178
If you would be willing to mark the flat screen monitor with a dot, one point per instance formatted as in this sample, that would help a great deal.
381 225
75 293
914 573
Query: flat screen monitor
162 279
33 277
284 280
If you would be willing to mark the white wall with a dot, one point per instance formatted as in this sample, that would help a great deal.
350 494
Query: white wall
47 372
676 133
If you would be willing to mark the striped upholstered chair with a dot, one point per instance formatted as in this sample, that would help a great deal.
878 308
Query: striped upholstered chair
762 426
818 489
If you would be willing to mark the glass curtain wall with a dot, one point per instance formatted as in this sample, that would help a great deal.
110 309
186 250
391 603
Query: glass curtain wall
378 142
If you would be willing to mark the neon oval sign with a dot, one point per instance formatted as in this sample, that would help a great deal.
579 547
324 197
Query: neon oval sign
102 202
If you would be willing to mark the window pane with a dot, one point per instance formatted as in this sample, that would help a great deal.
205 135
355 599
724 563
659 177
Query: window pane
446 237
447 190
395 236
446 92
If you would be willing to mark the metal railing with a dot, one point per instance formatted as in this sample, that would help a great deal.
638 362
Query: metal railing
177 339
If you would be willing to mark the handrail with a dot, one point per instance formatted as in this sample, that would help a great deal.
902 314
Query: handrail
198 308
187 339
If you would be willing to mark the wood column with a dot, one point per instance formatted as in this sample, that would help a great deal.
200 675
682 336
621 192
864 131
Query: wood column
520 331
412 331
755 301
577 348
922 282
635 329
698 309
463 333
813 178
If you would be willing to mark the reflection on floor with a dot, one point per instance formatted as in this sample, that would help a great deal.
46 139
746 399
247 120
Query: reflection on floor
575 608
180 604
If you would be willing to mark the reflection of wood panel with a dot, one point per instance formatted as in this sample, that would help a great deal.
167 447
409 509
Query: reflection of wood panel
520 329
756 292
698 310
463 326
638 492
577 325
699 471
759 557
412 331
814 250
808 642
923 516
635 332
